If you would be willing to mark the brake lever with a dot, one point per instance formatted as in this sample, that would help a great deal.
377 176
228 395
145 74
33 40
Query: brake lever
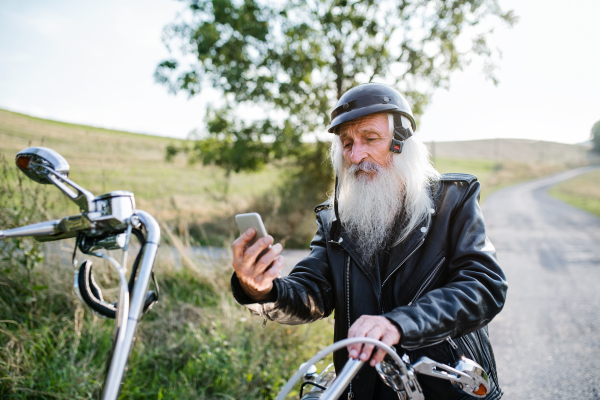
474 381
427 366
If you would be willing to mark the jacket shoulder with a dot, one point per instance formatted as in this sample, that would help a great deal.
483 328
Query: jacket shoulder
323 206
458 177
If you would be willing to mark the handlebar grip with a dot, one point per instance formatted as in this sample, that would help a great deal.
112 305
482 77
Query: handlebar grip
91 293
40 229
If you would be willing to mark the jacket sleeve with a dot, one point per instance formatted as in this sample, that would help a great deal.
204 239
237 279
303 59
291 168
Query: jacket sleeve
474 292
305 295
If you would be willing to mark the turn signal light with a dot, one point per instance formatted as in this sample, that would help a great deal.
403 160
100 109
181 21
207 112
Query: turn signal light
481 390
23 162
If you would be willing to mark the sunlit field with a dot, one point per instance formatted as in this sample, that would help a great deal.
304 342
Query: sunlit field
582 192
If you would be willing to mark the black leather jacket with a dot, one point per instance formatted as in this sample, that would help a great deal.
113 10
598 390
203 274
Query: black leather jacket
441 289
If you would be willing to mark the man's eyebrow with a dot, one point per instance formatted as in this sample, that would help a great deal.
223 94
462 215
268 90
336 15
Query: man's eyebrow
344 134
368 130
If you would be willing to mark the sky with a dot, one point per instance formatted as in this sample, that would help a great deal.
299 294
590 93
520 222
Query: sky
93 63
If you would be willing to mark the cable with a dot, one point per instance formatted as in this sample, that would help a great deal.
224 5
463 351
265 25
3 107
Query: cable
311 383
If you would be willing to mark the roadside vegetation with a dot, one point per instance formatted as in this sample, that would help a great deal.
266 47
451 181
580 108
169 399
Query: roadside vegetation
582 192
196 343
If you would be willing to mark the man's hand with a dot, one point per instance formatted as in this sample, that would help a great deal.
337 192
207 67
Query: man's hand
375 327
254 275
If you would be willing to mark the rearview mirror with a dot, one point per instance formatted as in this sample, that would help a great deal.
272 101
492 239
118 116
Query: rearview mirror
46 166
33 160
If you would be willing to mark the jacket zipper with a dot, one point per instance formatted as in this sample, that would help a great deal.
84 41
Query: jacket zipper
350 393
403 261
444 339
468 347
428 281
488 358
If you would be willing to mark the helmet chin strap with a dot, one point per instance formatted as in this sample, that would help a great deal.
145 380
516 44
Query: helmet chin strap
400 135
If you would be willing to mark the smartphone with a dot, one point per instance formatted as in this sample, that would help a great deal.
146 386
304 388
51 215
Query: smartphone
252 220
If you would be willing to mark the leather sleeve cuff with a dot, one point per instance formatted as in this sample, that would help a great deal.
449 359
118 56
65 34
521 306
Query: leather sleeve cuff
243 299
409 330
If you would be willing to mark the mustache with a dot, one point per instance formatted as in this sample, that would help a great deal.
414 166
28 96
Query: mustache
364 166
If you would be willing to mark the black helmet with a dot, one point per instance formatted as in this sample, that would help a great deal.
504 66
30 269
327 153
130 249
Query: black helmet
371 98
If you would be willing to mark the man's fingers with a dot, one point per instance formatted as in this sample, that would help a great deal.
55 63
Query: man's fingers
374 333
375 327
265 261
378 357
275 270
239 244
358 329
390 337
253 251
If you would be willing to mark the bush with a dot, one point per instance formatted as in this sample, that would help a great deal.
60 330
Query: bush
195 344
22 202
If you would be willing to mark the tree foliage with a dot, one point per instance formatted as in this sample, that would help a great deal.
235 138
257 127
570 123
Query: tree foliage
596 136
286 63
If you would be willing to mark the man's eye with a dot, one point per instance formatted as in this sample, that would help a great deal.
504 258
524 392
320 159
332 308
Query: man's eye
347 145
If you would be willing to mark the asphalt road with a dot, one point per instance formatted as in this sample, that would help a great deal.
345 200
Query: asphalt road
547 338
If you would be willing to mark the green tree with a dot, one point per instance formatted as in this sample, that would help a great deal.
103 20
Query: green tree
596 136
289 62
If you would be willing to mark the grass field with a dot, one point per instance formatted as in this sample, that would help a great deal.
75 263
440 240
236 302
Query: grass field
104 160
494 176
582 192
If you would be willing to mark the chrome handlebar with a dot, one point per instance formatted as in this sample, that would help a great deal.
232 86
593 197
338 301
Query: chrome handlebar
40 229
105 222
466 375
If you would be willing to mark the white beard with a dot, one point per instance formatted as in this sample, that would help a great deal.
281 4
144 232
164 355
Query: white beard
369 207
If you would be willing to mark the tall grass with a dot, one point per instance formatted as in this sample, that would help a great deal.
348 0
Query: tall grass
196 343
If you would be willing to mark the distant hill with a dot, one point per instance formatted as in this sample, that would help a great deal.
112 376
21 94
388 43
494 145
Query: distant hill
520 150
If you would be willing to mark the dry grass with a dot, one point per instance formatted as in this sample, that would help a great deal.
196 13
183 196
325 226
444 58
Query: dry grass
582 192
516 150
494 176
196 343
103 160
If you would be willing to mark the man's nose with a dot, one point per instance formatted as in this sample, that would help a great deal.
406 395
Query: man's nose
358 153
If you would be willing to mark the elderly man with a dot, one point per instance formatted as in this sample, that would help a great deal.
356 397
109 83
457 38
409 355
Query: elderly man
400 254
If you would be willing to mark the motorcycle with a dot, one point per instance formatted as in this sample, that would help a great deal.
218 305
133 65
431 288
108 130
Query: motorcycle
399 374
106 222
